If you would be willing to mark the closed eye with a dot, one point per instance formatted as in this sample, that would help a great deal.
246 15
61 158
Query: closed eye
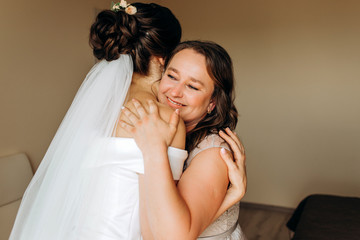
194 88
171 77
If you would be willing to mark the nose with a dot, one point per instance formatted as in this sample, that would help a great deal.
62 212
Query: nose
177 90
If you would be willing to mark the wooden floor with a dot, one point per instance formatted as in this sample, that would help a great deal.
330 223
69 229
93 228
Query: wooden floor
260 222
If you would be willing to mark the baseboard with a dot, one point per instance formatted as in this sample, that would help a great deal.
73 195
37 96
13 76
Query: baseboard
266 207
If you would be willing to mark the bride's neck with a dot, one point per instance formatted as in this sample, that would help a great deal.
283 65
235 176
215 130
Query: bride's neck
154 75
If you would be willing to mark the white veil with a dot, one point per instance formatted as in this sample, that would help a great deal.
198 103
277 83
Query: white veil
57 196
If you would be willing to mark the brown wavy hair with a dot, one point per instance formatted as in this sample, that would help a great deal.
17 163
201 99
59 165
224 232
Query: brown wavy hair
220 69
152 31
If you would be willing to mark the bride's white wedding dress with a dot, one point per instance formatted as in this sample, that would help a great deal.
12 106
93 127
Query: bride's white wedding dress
86 184
114 210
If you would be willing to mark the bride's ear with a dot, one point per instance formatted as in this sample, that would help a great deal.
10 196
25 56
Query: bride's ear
162 63
161 60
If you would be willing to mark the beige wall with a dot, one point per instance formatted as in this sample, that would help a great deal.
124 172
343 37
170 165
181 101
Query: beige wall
296 64
44 58
297 67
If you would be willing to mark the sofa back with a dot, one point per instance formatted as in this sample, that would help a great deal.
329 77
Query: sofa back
15 175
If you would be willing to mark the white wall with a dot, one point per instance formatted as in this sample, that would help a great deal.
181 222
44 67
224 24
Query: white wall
297 66
44 58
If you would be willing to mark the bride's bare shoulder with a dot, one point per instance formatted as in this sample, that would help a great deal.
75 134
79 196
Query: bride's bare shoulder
165 113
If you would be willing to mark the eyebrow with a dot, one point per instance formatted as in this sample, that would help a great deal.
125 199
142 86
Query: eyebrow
191 78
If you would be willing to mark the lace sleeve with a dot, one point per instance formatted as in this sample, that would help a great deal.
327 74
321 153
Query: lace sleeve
210 141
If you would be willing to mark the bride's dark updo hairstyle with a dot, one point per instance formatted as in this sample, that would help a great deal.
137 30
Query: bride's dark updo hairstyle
152 31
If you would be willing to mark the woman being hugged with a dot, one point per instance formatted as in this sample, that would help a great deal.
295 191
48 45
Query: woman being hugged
199 83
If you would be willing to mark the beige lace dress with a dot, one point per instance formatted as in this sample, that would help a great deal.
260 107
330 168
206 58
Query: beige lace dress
226 227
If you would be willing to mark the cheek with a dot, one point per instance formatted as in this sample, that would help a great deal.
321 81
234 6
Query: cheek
200 101
164 86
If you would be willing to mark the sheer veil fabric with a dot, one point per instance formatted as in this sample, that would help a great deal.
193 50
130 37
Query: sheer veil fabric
57 199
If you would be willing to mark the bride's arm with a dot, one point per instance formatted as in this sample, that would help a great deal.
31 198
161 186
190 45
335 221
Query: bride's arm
182 211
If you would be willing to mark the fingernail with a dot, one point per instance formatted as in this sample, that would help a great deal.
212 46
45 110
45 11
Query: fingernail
122 107
177 111
222 150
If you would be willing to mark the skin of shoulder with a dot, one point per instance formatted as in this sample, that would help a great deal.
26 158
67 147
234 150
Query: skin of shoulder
164 112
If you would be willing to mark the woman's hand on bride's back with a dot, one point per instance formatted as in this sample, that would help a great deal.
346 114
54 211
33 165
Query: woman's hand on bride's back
147 127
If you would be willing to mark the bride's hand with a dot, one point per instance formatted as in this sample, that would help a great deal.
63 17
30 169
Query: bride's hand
236 170
149 129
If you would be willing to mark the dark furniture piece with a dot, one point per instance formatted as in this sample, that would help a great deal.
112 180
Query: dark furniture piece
326 217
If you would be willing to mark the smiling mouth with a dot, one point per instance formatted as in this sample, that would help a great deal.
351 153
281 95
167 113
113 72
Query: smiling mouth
175 103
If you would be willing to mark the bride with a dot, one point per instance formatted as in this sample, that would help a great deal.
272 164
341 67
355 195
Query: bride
87 184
